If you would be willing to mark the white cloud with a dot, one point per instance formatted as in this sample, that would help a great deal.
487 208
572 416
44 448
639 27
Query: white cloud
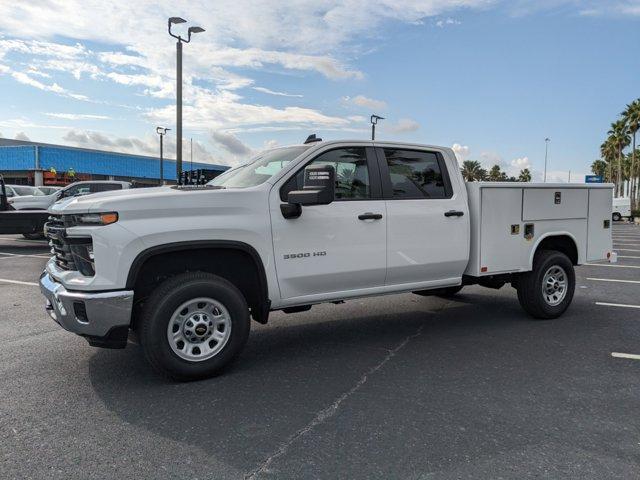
231 143
146 146
77 116
22 136
461 151
403 125
277 94
518 164
224 109
25 79
365 102
447 22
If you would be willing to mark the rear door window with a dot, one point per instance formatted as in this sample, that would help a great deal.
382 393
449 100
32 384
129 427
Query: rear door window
415 174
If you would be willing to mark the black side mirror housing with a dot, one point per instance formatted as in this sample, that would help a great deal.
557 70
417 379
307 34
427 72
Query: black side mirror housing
319 189
319 186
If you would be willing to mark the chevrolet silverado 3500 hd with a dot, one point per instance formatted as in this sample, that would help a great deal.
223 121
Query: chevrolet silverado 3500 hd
185 269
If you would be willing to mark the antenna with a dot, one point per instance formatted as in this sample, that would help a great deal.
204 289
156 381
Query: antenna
374 122
312 139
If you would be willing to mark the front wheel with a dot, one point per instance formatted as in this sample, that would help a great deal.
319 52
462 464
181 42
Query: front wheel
546 292
193 325
616 217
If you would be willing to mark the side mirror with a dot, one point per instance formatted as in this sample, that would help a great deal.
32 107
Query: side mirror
319 186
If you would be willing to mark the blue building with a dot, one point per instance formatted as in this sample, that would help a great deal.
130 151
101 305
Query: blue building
33 163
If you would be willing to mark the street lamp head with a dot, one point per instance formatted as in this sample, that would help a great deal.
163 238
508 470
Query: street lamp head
547 139
193 30
176 20
162 130
375 118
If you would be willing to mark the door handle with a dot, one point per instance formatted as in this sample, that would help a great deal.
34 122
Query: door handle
453 213
370 216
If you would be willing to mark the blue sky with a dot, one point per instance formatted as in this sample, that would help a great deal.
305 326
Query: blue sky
492 78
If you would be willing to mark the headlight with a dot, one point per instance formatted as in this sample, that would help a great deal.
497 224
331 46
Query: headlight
95 218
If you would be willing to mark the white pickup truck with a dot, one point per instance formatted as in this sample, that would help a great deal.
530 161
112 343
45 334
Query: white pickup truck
185 269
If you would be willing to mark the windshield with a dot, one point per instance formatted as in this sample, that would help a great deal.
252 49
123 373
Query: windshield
259 170
25 190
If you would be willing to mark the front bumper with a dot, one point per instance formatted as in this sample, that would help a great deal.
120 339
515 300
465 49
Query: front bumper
103 318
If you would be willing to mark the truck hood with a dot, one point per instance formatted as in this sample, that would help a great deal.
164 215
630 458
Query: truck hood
139 200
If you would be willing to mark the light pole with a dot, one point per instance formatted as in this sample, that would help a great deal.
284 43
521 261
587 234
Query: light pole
162 132
172 21
546 154
374 121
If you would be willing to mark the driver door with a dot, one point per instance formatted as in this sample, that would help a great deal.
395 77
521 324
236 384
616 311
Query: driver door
337 247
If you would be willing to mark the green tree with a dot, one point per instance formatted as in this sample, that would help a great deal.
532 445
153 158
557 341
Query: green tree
608 154
599 167
472 171
631 117
525 175
619 136
496 174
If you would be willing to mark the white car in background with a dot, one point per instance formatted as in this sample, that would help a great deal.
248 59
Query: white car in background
22 191
48 190
621 208
40 201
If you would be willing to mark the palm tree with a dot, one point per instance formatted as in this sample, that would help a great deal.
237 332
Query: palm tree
619 136
631 117
472 171
599 167
525 175
496 175
608 153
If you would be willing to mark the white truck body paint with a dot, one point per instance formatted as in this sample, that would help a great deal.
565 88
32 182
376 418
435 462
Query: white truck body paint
414 246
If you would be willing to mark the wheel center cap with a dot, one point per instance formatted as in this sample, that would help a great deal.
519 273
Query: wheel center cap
200 329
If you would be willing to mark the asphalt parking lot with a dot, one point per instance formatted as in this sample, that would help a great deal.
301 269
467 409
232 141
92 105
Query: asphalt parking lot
392 387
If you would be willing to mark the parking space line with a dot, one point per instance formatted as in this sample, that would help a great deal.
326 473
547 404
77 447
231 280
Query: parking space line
626 256
610 265
627 250
625 355
9 255
612 280
623 305
18 282
626 244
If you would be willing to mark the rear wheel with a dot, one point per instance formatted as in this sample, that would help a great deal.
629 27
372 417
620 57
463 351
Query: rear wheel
616 217
193 325
546 292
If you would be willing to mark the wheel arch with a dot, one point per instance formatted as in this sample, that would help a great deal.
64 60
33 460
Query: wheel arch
564 242
222 251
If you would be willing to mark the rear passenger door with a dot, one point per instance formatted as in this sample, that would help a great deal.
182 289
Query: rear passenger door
427 222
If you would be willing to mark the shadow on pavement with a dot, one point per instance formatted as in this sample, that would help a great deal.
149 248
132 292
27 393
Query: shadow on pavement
286 375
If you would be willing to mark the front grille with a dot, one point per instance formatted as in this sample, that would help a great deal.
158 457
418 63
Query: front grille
70 253
56 231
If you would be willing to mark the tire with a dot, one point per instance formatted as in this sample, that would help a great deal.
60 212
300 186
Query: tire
34 236
550 268
210 303
616 217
